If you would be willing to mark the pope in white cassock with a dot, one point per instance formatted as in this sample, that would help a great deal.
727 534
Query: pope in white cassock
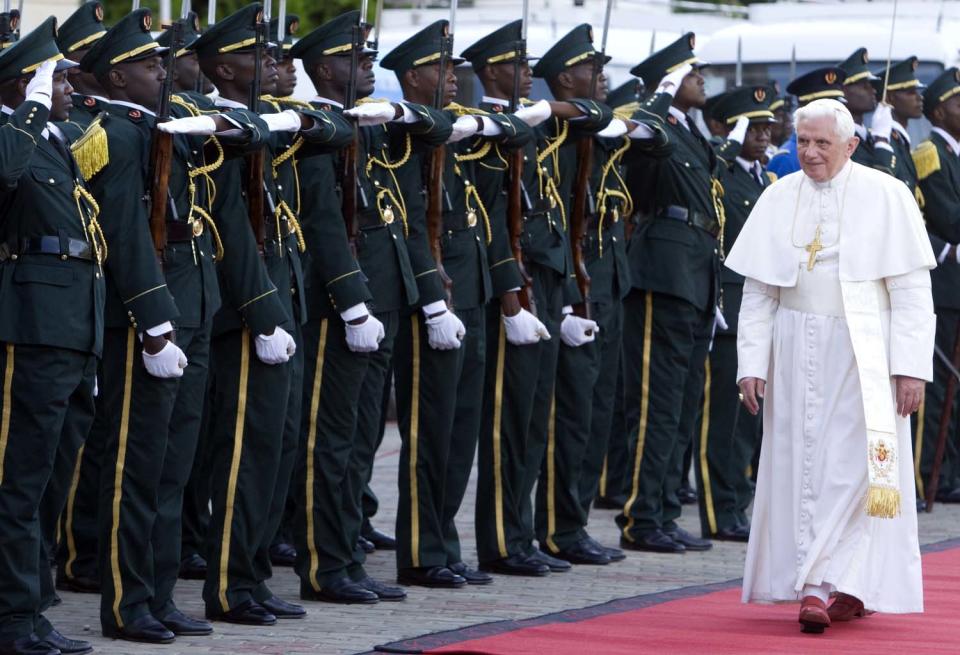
836 336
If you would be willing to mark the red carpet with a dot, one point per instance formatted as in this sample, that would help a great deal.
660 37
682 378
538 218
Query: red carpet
716 623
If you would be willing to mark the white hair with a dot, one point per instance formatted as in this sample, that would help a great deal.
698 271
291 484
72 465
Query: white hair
828 108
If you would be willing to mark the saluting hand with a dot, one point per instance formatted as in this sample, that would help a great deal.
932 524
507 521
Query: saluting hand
40 88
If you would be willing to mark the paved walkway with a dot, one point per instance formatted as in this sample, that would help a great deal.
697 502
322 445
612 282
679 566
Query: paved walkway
338 629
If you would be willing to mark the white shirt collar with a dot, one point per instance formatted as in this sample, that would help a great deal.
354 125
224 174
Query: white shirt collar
680 116
860 130
751 167
132 105
902 130
227 102
954 145
495 101
328 101
6 110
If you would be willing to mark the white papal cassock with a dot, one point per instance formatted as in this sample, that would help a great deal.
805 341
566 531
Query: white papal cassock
809 523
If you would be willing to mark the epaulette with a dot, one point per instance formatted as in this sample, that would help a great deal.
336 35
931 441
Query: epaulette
460 110
190 104
363 101
270 100
927 159
771 176
91 151
626 112
290 101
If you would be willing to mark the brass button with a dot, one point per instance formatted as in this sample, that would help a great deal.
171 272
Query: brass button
63 258
293 290
52 181
746 202
14 257
687 164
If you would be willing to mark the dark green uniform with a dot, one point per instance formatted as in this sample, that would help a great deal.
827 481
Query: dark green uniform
669 313
51 321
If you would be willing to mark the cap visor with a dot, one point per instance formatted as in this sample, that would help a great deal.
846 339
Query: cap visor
64 64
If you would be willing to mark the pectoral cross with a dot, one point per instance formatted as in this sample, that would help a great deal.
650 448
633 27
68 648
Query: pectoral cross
813 248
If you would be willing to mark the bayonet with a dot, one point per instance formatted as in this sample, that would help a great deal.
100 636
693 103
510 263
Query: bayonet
738 76
136 5
211 12
377 17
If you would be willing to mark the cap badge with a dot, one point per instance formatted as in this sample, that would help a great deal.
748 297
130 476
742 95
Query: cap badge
98 12
146 22
830 77
760 94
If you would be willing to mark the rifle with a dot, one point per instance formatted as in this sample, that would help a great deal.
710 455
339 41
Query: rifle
516 192
581 193
946 415
255 160
437 162
161 143
349 179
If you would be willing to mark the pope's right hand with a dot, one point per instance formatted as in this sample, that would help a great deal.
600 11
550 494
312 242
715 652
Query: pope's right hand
524 329
751 393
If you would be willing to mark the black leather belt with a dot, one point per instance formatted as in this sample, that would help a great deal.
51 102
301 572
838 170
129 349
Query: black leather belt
179 232
369 218
692 217
65 247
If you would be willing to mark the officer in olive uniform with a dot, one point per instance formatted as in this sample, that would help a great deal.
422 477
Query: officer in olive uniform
728 435
675 256
186 69
861 98
350 345
75 38
819 83
938 171
51 325
904 95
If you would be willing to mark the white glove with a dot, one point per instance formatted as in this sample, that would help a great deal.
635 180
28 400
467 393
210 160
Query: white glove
276 348
445 332
372 113
882 124
463 127
616 128
672 81
40 88
739 131
203 125
573 330
524 329
168 363
365 337
284 121
534 114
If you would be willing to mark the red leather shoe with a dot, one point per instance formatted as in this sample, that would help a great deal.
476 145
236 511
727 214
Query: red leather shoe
813 615
845 608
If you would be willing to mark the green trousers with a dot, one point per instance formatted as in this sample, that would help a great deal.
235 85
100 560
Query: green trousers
44 392
248 411
612 483
665 346
726 437
333 379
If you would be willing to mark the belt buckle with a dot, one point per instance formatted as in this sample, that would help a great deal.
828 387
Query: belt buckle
471 218
197 227
387 215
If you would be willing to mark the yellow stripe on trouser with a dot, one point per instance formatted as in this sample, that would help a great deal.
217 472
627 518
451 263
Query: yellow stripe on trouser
603 478
918 449
414 427
552 477
118 478
6 409
68 516
234 466
311 444
497 454
644 409
704 463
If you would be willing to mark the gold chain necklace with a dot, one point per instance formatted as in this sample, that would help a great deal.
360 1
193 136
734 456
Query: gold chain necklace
816 245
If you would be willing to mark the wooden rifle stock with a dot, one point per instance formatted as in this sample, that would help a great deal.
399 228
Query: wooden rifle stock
578 224
515 226
435 216
255 196
348 188
161 154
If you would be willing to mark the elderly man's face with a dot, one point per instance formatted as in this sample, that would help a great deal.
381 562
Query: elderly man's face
821 152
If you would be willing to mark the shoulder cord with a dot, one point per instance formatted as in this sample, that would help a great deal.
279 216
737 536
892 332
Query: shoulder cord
91 229
612 165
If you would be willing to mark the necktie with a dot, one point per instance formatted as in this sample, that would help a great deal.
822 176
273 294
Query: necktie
61 149
757 174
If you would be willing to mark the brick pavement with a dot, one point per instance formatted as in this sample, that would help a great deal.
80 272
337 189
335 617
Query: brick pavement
336 629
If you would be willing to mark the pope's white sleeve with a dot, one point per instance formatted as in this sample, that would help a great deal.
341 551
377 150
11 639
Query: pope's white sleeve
755 329
913 325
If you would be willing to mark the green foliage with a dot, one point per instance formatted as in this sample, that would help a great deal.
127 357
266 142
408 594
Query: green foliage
311 12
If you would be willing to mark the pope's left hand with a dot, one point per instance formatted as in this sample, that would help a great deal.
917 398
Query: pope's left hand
909 394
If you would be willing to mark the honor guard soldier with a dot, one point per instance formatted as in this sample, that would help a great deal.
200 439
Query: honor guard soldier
439 373
250 393
74 38
675 256
782 127
728 434
905 99
861 98
350 345
819 83
186 69
51 326
938 171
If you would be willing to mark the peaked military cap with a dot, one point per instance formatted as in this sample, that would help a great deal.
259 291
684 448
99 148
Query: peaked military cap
498 47
626 93
83 27
752 102
943 87
679 53
292 24
779 100
855 66
420 49
23 57
236 33
711 102
129 40
189 34
574 48
819 83
903 75
9 27
333 38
